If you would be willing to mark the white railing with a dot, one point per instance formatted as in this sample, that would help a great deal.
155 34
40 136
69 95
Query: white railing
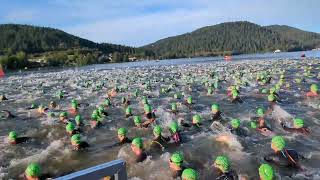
116 168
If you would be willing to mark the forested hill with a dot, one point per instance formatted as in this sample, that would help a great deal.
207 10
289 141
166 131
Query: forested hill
24 46
226 38
307 40
33 39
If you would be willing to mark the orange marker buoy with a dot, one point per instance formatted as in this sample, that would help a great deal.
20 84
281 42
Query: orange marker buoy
227 58
1 72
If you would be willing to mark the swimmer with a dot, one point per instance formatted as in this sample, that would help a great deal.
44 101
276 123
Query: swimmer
282 156
138 150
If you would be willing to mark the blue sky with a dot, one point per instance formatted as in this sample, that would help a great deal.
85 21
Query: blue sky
139 22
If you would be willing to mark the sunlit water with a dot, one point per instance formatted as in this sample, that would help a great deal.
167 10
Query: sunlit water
50 145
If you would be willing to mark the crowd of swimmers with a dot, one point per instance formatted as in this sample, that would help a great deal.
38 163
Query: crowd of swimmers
281 155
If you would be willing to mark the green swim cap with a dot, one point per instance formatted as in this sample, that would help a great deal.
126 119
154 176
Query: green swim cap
196 118
177 158
76 138
235 94
122 131
138 142
33 105
210 90
278 87
60 94
73 101
253 125
74 105
222 162
33 170
174 126
157 130
314 88
190 174
298 80
144 100
189 100
147 108
70 127
266 172
50 114
298 123
128 110
264 91
107 102
177 96
278 142
78 118
13 135
100 108
173 106
63 114
260 112
137 120
271 98
96 112
94 116
235 123
215 107
272 90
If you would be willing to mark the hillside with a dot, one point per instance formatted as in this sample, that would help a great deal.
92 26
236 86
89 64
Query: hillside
33 39
308 40
23 46
225 38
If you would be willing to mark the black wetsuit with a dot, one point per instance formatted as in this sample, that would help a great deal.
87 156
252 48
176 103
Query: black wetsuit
238 131
41 177
120 143
7 114
230 175
286 157
151 115
83 145
104 113
160 140
20 140
141 157
3 98
237 100
217 116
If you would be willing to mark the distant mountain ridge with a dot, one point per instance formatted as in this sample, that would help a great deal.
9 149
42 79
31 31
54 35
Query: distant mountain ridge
34 39
234 38
221 39
308 40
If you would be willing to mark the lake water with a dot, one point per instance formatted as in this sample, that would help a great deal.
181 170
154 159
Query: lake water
50 145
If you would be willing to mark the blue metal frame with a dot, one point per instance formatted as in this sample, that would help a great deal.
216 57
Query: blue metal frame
116 168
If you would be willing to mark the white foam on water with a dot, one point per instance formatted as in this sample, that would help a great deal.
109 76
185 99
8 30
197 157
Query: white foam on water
281 115
153 169
229 139
135 178
39 157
